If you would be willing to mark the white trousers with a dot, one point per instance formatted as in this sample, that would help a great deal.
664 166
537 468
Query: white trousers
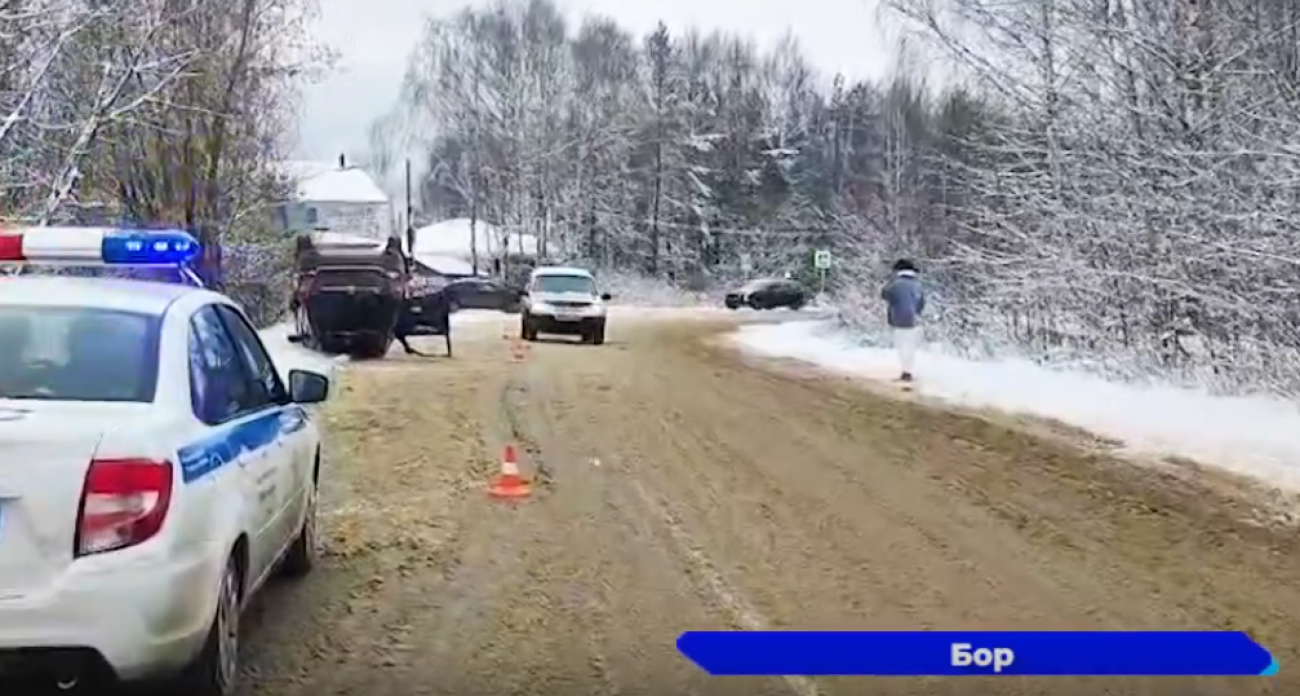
906 342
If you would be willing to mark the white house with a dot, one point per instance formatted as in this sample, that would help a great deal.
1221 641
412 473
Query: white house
336 197
454 238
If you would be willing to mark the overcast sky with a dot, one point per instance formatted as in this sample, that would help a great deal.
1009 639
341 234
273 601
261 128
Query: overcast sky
373 38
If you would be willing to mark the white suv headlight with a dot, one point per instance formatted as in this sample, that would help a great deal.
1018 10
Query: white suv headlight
541 308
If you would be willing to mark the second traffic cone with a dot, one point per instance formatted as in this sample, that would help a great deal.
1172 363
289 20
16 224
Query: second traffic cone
509 483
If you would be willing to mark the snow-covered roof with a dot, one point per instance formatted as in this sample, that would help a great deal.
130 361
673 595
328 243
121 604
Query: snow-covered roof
561 271
453 238
323 182
446 265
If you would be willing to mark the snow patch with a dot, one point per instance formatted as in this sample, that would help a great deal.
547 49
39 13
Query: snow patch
1251 436
291 356
631 290
478 316
455 238
322 182
445 265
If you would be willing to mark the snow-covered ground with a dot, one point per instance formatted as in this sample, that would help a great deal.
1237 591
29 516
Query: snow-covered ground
457 237
290 356
1257 437
634 291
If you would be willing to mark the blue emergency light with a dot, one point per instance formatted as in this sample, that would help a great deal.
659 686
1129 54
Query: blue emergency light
98 246
163 247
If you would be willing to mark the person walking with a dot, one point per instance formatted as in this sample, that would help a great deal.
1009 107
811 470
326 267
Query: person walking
905 303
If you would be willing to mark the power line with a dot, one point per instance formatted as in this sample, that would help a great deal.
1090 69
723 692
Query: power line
756 231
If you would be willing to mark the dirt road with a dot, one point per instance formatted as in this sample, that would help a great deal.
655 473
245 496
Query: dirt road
679 488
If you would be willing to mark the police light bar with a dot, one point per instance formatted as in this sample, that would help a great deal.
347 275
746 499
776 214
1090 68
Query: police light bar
88 246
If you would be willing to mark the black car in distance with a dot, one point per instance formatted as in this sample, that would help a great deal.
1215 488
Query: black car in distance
482 293
770 293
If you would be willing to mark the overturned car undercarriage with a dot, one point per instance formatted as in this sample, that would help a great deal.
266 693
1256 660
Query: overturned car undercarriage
354 298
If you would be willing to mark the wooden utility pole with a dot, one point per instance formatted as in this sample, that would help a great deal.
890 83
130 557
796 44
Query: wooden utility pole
410 222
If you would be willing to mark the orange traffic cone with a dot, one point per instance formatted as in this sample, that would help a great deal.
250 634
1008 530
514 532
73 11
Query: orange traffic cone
509 483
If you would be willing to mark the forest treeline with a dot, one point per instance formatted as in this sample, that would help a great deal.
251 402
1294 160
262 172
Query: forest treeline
1113 179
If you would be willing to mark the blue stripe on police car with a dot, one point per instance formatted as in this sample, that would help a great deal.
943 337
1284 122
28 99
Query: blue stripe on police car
229 442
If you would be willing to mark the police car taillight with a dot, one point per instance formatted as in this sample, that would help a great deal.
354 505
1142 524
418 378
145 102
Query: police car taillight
124 503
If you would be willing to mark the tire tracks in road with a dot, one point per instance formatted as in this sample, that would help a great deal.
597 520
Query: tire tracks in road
677 488
622 506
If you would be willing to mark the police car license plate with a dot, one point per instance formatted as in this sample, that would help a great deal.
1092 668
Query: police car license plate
568 316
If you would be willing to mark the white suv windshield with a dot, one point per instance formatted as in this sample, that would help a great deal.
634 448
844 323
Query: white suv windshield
77 354
564 283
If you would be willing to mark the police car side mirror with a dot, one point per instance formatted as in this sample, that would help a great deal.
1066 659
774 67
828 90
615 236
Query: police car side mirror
308 387
606 297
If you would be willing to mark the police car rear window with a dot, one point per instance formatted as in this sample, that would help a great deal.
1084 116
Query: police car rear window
77 354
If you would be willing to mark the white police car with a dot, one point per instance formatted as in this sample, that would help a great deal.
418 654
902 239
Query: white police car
563 300
155 470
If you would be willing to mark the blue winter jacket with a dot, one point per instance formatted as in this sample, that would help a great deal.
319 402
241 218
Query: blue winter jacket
905 299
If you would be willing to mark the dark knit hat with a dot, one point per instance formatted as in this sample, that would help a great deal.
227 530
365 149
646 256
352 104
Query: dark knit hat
904 265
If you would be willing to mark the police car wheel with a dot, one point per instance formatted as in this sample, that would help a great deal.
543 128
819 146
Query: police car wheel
301 557
215 671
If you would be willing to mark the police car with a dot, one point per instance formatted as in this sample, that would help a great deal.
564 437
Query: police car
155 469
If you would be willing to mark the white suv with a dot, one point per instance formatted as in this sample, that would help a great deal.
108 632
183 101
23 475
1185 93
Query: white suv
564 301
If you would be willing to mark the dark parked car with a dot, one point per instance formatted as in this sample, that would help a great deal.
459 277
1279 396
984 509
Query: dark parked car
768 294
482 293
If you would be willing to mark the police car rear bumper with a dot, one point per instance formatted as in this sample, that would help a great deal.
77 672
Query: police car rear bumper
128 623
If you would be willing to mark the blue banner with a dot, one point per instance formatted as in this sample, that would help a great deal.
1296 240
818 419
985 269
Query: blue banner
934 653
